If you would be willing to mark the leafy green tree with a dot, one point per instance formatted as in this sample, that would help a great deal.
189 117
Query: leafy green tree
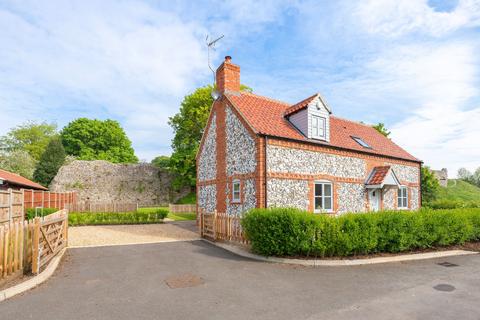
31 137
430 186
19 162
162 162
92 139
51 160
188 126
380 127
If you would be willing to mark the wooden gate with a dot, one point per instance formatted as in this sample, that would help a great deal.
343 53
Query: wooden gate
49 238
221 226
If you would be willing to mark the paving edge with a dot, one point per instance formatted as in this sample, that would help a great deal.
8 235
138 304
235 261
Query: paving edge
343 262
35 281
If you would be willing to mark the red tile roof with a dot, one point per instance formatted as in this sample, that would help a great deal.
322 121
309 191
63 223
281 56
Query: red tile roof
299 106
266 116
378 175
16 179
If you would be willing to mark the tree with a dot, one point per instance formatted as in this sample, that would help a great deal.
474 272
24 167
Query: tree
51 160
19 162
31 137
162 162
188 126
92 139
430 186
380 127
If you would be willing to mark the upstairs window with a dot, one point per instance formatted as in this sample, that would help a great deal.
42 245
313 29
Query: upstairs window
236 191
323 197
402 198
361 142
318 127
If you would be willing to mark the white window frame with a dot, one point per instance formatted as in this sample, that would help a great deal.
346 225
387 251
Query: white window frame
402 196
316 122
236 195
323 197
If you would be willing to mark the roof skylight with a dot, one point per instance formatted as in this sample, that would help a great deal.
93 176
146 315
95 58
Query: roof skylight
361 142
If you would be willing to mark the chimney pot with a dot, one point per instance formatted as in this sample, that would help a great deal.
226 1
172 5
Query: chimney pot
228 76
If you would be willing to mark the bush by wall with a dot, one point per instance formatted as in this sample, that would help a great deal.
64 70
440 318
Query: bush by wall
291 232
109 218
40 212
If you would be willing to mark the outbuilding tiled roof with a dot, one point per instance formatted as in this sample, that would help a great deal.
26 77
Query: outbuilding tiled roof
267 116
16 179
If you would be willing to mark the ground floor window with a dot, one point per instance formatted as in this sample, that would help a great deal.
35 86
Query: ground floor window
323 199
402 198
236 191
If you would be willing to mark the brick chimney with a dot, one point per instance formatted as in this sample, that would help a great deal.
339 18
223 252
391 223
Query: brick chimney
228 76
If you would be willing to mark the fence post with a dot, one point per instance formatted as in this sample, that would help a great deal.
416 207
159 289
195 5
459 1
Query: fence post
10 204
36 246
202 217
215 225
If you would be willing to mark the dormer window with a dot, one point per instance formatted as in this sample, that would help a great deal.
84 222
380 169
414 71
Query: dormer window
318 127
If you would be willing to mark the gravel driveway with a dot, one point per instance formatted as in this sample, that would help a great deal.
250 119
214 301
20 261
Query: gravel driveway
131 234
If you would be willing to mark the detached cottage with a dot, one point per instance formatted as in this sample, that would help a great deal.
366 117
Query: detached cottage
258 152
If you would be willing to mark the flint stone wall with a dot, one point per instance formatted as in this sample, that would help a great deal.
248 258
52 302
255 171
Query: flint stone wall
207 197
102 181
406 173
207 162
351 197
415 201
389 198
289 160
241 151
288 193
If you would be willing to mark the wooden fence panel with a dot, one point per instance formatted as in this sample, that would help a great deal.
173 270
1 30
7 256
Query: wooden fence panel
90 206
182 208
47 199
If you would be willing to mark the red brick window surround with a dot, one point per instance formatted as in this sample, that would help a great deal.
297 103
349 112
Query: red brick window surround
236 191
323 196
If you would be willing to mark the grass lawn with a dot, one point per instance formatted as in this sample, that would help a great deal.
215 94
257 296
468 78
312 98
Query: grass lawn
458 190
176 216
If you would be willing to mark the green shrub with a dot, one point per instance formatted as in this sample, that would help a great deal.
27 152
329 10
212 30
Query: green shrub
291 232
112 218
453 204
40 212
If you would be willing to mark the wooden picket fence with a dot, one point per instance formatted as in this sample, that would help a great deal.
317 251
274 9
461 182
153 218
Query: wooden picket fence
217 226
105 206
29 245
182 208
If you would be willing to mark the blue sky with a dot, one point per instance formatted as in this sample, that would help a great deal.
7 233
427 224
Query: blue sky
413 65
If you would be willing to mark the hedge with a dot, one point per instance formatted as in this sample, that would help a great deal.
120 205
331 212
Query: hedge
110 218
40 212
452 204
292 232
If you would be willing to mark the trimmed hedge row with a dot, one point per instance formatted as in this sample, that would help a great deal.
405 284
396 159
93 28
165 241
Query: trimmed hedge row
110 218
292 232
41 212
452 204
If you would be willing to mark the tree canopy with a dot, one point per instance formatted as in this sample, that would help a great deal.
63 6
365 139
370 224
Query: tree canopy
92 139
188 126
162 162
19 162
380 127
31 137
472 178
430 186
51 160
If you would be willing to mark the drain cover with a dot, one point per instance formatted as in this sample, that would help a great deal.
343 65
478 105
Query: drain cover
183 281
447 264
444 287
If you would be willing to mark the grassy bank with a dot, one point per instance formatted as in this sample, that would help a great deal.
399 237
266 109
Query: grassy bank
173 216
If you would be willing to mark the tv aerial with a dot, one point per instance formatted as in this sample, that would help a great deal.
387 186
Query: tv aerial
211 46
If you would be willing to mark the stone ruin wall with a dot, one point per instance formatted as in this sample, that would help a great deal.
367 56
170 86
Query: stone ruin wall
102 181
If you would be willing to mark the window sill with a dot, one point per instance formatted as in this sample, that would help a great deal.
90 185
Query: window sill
235 202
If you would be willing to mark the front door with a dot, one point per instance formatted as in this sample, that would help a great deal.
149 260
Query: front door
374 199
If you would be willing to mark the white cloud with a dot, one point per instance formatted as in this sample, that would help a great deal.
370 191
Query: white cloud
395 18
123 60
